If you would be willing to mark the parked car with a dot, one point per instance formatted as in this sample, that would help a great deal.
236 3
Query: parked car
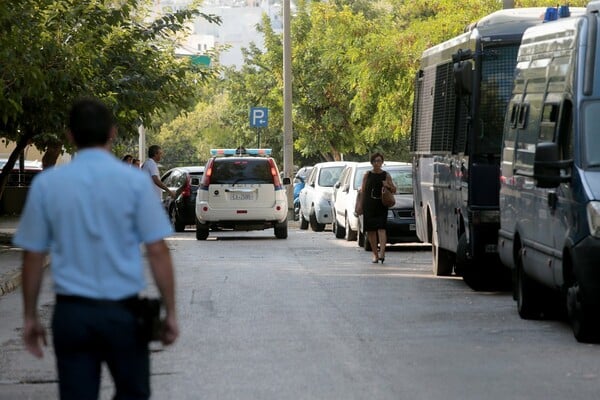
242 190
401 217
345 222
315 197
24 178
299 181
185 182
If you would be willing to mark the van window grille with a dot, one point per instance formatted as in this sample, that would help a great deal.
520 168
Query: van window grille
444 109
497 72
434 110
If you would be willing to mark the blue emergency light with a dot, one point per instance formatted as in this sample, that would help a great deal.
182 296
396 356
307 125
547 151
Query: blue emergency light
552 13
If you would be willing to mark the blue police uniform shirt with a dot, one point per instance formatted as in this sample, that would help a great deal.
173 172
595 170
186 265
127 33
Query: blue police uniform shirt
91 215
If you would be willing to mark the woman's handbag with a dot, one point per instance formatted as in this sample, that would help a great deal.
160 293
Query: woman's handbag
358 206
387 198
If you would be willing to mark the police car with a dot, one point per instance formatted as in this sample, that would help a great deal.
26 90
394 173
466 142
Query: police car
241 189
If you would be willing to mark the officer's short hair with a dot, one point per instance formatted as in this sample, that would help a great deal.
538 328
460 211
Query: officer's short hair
90 122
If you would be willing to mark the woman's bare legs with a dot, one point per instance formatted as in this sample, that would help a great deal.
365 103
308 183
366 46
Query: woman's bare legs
372 236
382 242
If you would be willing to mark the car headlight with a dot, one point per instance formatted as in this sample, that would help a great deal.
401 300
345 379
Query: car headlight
593 217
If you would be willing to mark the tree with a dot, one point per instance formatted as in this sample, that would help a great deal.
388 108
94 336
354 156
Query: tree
96 47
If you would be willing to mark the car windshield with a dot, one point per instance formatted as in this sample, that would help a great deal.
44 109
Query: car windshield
402 179
242 171
328 176
358 178
302 174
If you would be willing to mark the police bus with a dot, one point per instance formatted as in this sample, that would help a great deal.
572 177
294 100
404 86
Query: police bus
461 92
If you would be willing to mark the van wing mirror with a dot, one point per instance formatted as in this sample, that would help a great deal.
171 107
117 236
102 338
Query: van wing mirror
463 78
463 72
547 166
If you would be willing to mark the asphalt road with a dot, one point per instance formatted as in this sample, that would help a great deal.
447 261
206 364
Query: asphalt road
310 317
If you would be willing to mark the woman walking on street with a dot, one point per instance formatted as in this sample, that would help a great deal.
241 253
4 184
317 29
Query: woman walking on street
374 212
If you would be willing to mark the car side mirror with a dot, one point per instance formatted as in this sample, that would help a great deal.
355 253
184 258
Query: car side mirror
548 170
286 181
337 185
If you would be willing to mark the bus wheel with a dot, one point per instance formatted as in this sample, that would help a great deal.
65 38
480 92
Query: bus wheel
442 259
465 267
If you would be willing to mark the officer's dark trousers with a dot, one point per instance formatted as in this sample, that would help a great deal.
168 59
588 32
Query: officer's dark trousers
87 333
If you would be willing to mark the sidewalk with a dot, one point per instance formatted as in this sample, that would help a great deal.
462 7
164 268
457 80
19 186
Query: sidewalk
10 257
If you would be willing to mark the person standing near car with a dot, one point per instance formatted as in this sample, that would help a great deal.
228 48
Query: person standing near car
151 167
93 238
374 212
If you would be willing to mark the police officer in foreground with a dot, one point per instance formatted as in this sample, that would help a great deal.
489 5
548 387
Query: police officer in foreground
91 216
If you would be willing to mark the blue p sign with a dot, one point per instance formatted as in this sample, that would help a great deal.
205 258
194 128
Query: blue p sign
259 117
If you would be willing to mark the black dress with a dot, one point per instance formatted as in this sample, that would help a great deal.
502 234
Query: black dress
374 212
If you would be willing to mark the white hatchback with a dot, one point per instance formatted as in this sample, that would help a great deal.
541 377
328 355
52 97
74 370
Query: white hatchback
241 192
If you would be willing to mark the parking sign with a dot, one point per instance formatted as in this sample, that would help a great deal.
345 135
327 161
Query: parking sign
259 117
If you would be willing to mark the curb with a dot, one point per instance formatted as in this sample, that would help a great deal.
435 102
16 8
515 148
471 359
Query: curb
12 282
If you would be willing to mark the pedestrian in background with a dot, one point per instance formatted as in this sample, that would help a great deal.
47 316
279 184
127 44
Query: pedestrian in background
374 212
135 163
93 238
151 167
127 159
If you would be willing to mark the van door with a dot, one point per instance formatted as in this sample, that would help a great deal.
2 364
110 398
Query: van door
564 203
535 222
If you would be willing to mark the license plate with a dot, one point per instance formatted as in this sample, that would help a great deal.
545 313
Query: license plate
412 227
491 248
241 196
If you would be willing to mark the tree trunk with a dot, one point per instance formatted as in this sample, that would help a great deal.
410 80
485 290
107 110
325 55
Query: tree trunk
10 163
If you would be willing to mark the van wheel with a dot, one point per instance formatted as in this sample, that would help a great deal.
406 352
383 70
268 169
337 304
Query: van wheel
281 230
350 234
178 224
314 224
528 293
443 260
201 231
585 328
303 222
338 230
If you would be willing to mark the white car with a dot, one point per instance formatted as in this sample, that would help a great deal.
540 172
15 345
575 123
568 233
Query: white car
316 196
345 223
241 190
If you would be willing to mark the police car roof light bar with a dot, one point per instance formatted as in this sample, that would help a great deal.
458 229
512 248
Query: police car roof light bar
240 151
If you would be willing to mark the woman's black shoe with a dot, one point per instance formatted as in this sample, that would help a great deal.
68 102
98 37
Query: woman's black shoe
382 259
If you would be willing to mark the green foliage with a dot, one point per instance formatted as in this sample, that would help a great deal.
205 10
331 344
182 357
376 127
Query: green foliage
354 66
64 49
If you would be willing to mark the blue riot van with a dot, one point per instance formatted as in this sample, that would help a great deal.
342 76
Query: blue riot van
550 172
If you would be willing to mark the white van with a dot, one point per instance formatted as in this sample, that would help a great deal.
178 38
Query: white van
550 172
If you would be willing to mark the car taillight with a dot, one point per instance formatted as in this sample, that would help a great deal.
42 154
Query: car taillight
187 188
274 173
207 174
